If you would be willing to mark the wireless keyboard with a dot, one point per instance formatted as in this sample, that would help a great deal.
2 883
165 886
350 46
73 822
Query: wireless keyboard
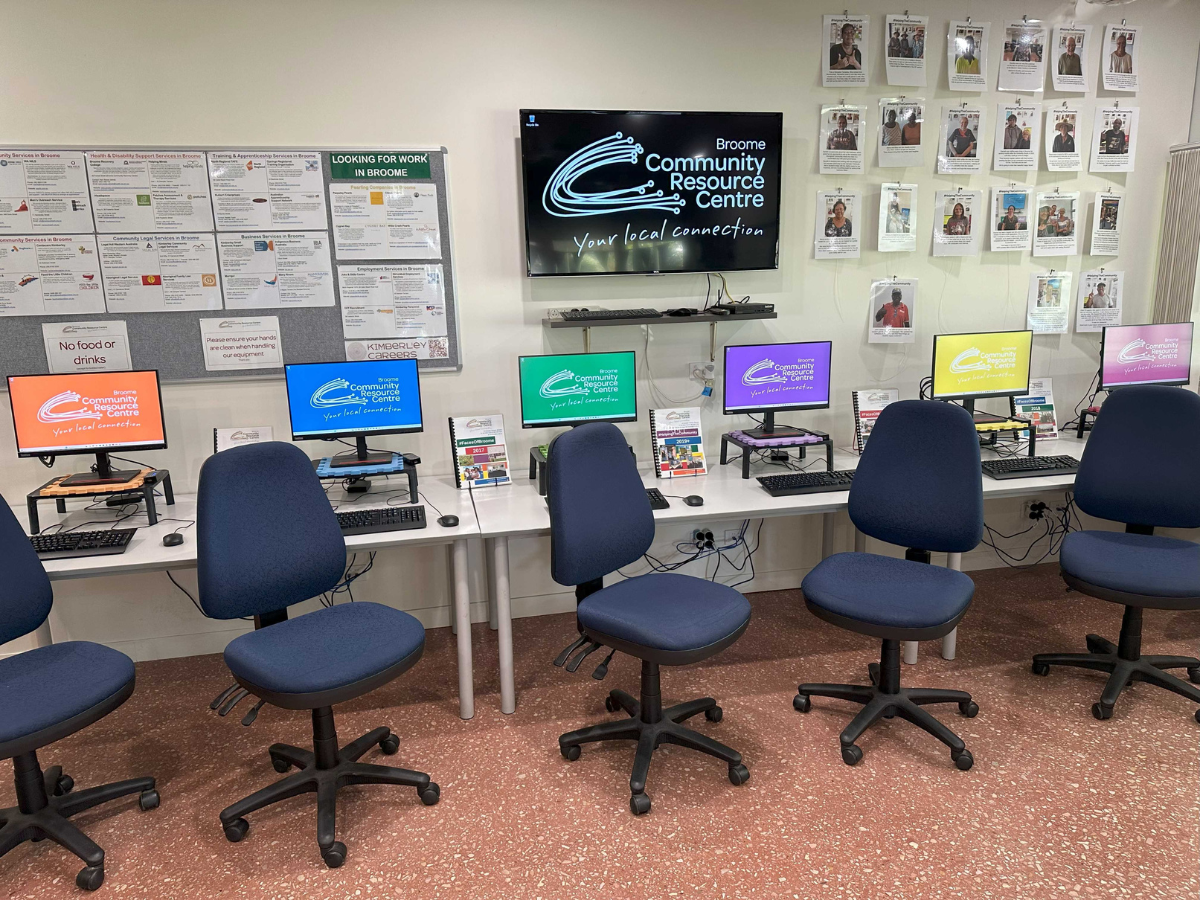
1030 466
806 482
388 518
70 544
657 500
598 315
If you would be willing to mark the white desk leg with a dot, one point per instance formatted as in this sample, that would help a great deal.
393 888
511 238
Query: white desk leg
909 651
508 686
950 641
493 619
41 635
827 523
462 620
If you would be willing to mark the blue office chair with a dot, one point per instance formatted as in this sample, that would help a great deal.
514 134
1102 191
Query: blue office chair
267 538
600 520
49 693
919 485
1139 467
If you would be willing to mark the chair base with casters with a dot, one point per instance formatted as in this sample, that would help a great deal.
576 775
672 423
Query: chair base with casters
45 803
323 770
650 725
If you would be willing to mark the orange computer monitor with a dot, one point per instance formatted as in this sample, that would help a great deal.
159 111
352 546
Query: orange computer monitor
91 412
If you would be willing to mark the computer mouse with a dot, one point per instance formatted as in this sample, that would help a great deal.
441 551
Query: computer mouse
448 521
681 311
174 539
693 500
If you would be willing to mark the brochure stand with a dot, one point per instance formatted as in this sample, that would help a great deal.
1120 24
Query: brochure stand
143 485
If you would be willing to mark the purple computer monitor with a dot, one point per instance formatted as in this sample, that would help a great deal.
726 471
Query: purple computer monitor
1146 354
776 377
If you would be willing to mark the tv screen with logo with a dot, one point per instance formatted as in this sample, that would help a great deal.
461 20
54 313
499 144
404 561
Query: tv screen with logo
569 388
87 412
983 364
344 399
615 193
1146 354
777 376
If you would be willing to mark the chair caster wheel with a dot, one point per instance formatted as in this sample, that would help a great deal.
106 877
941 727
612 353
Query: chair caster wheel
962 758
335 855
280 765
430 794
1198 715
610 704
801 703
90 877
1101 711
569 753
851 754
1040 669
236 830
64 785
1194 675
639 804
738 774
715 714
148 800
389 745
969 708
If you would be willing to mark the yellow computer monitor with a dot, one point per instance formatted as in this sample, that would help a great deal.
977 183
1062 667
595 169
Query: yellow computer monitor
981 364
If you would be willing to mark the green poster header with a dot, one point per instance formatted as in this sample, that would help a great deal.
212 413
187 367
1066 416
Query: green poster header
359 166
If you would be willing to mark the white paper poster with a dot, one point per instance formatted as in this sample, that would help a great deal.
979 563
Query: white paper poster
1010 218
50 274
898 218
844 64
1099 302
900 123
1114 138
44 192
838 225
385 221
841 140
392 301
263 191
1049 302
86 347
160 272
966 52
1119 59
893 305
1106 223
1070 57
241 343
1057 232
1018 136
227 438
276 269
148 191
399 348
1038 407
956 223
1062 149
962 127
1023 62
905 42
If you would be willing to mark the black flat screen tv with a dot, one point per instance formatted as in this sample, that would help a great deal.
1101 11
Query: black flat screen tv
622 193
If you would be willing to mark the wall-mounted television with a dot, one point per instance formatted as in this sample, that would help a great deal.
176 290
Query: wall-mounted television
622 193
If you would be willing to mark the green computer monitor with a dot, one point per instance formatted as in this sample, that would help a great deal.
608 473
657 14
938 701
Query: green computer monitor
569 388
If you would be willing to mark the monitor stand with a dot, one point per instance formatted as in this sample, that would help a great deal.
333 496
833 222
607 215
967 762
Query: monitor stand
981 417
104 474
362 456
769 429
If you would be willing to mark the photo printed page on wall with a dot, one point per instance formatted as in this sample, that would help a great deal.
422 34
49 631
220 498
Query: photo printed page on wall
901 120
1023 59
1114 138
1018 136
1056 232
838 224
1106 223
1119 57
842 140
1070 57
962 128
846 49
956 223
904 40
1010 218
966 55
893 306
898 218
1099 301
1049 302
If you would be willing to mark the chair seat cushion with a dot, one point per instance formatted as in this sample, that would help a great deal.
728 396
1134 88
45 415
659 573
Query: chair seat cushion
50 685
1144 564
883 593
677 613
325 650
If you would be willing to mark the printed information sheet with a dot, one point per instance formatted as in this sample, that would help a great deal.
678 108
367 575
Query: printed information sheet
399 348
274 269
44 192
86 347
262 191
243 343
385 221
50 275
144 191
160 272
392 301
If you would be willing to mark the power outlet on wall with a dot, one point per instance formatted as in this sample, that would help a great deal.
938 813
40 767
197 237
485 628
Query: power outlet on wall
1034 509
702 371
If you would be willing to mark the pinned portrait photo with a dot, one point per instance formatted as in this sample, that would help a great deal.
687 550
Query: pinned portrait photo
1120 59
841 140
1056 231
893 305
1071 46
905 54
898 217
1106 224
837 234
900 122
967 56
1018 132
1010 219
845 62
1049 302
1022 62
960 140
956 231
1114 139
1099 302
1062 148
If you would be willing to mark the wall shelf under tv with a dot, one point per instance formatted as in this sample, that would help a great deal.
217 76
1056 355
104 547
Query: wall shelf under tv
704 317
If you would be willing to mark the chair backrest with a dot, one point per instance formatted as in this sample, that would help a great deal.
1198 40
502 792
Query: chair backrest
25 593
600 517
1139 465
266 536
919 483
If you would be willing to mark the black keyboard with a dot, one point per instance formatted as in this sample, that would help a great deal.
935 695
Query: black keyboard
657 500
806 482
69 544
388 518
598 315
1030 466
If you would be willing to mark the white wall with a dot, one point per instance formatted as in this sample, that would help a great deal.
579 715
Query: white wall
301 73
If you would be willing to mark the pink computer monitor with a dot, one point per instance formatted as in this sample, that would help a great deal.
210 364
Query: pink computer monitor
1146 354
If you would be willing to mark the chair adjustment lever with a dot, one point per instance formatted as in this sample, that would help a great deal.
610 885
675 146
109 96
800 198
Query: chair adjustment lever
573 665
237 697
562 657
248 718
602 669
223 696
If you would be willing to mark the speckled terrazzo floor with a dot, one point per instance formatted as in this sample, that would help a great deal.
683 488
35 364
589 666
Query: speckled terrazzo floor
1057 805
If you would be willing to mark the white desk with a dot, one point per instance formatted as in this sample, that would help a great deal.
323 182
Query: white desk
517 510
146 552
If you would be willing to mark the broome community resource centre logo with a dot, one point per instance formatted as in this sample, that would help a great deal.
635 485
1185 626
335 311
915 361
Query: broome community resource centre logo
970 360
321 399
561 384
1138 350
50 413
